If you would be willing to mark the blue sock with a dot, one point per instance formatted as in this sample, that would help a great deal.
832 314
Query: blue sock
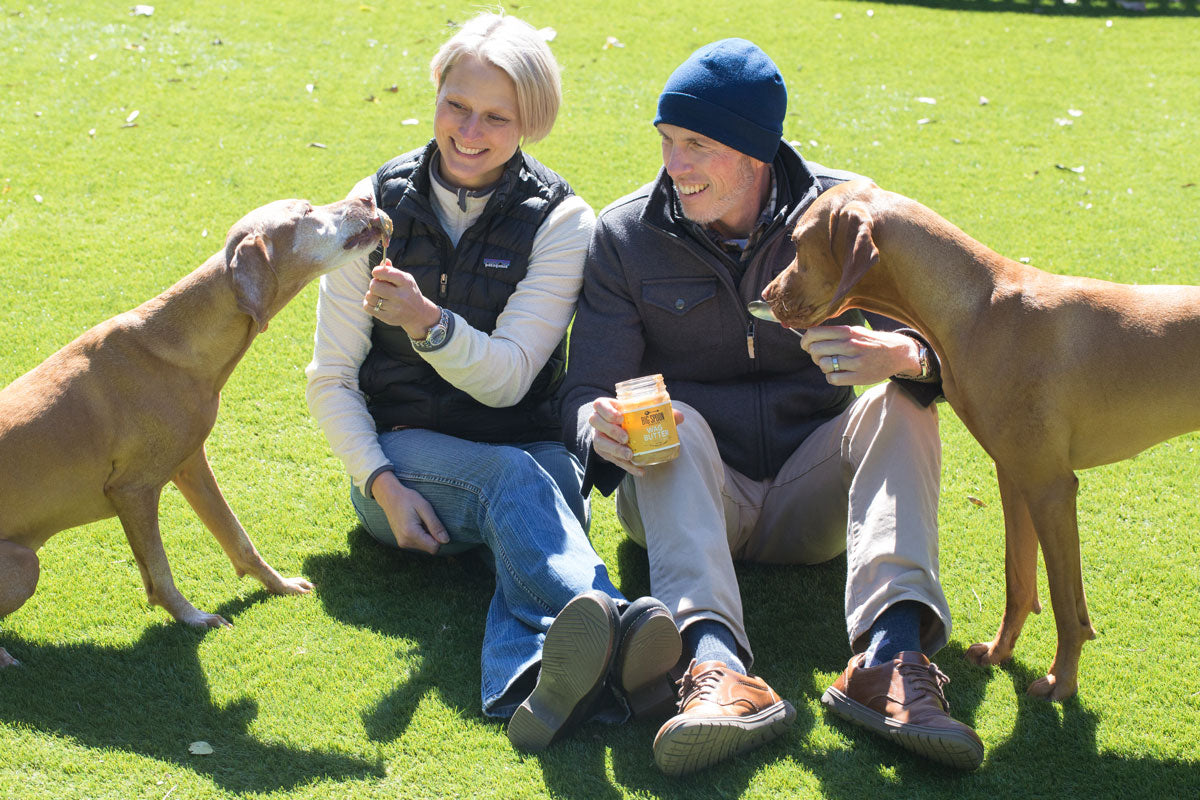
897 629
709 640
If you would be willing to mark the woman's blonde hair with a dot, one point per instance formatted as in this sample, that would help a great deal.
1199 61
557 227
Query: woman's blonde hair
517 48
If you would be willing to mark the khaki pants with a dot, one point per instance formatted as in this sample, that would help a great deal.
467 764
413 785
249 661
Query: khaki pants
865 482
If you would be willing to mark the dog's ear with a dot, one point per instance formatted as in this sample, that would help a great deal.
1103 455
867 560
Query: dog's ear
254 282
850 233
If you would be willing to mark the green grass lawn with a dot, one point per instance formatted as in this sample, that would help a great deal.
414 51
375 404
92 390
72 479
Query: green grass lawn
1064 133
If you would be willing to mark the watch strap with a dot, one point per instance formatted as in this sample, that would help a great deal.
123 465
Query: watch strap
437 336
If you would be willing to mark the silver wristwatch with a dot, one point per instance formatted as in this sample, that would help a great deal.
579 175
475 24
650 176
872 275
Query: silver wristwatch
436 336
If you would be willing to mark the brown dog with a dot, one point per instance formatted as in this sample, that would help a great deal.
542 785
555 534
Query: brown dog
1051 374
102 425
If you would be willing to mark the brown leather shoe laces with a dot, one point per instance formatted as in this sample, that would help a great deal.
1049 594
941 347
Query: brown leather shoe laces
926 680
691 687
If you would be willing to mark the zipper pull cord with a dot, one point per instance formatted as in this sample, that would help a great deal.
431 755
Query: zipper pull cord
750 339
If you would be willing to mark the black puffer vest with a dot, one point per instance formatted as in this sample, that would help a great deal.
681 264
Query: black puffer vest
474 280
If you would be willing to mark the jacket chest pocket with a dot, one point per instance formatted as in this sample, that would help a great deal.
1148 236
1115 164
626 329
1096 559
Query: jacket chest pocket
676 297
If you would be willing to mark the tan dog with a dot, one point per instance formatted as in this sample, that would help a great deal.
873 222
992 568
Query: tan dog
100 427
1051 374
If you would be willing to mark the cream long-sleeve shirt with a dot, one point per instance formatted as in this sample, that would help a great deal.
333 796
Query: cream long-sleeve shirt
496 369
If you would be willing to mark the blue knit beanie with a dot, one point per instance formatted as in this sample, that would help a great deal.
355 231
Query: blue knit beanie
729 91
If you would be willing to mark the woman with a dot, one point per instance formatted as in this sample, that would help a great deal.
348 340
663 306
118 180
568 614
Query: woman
434 377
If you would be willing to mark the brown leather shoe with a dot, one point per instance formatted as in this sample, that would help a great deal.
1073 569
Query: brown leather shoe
903 701
721 713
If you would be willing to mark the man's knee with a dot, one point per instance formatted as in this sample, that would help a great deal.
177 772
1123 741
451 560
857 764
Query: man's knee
887 412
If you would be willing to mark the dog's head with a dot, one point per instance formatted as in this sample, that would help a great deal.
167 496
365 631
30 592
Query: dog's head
834 249
272 252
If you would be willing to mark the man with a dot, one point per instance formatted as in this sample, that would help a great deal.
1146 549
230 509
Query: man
779 462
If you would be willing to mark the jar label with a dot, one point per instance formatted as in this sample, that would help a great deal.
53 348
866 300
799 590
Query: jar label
651 428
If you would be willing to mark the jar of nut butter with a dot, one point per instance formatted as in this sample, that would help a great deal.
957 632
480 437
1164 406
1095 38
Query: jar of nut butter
648 419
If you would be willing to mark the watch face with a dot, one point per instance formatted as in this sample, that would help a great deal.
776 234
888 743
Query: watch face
437 335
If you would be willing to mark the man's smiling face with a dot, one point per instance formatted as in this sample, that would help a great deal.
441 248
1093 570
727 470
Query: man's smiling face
715 183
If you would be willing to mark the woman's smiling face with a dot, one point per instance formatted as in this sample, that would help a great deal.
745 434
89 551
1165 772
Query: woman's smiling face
476 124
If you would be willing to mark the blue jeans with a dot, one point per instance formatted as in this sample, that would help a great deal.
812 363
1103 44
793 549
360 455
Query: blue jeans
512 500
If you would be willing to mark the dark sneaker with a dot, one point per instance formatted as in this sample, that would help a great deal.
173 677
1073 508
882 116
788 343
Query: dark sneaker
721 714
903 701
648 647
576 658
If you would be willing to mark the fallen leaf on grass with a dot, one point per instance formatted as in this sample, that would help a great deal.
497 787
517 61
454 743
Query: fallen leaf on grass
976 501
141 11
316 144
611 41
927 100
410 121
393 88
200 749
1077 170
132 116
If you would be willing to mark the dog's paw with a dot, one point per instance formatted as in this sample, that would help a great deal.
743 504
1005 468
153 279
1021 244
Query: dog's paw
201 619
1051 688
293 586
984 655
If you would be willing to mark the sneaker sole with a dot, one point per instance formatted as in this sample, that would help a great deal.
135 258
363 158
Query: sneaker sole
575 660
689 745
650 652
946 746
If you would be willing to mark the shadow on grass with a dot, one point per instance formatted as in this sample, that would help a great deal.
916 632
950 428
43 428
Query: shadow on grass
436 606
1079 8
153 699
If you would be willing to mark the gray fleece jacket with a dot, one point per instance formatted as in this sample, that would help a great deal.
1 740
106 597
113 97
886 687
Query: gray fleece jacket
658 297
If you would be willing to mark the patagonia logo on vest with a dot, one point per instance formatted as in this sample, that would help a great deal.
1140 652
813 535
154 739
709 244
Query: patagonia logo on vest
496 263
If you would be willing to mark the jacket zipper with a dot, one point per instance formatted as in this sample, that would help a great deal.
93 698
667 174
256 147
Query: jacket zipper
750 340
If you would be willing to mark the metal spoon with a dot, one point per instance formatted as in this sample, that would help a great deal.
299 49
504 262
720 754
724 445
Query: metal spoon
762 310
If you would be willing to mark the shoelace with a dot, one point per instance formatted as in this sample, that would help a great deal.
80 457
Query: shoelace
927 680
691 686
